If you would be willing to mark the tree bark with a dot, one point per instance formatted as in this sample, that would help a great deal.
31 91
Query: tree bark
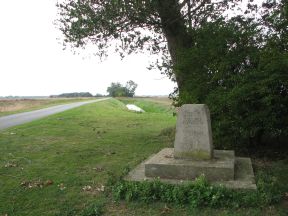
175 31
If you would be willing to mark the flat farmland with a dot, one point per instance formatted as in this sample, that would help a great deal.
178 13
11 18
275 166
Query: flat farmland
12 106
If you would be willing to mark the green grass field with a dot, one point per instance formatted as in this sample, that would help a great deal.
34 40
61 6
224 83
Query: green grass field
59 165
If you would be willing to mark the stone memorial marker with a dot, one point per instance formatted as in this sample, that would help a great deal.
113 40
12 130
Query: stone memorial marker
193 138
193 155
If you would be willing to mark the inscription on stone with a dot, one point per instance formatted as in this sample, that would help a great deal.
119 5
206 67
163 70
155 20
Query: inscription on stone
191 118
193 138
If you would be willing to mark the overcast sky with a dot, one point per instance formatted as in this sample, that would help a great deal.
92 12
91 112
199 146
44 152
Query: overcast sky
32 62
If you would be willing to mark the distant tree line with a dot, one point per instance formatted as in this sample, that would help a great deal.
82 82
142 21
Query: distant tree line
73 94
114 90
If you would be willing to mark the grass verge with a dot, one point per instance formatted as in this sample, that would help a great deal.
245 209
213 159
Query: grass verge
60 165
151 105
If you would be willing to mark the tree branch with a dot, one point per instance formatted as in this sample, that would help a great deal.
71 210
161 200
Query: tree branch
189 12
183 3
189 15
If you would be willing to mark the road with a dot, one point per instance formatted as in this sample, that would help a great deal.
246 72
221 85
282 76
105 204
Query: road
21 118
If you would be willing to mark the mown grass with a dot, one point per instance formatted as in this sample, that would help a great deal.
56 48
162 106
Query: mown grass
152 105
12 106
59 165
73 149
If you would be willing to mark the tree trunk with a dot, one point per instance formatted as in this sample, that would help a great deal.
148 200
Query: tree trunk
175 31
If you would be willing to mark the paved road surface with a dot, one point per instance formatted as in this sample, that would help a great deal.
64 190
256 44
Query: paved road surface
21 118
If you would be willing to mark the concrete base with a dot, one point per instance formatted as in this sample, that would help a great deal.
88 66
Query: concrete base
164 165
243 171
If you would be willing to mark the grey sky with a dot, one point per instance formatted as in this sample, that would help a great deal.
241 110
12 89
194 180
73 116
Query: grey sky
32 61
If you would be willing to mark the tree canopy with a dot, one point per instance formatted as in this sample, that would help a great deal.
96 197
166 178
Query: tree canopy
245 87
158 26
117 90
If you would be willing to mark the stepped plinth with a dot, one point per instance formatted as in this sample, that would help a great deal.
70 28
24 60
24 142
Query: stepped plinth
193 155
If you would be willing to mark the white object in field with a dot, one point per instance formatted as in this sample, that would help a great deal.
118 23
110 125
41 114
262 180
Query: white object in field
135 108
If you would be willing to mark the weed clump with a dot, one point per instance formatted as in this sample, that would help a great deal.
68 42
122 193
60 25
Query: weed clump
96 209
197 194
